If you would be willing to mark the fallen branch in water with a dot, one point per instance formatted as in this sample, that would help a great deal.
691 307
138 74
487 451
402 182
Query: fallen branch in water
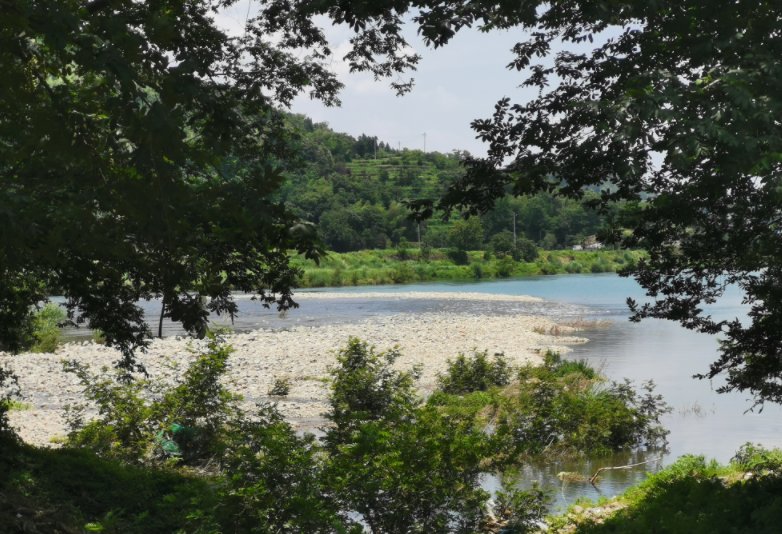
628 466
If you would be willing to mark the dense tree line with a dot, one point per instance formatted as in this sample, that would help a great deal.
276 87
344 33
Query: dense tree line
354 189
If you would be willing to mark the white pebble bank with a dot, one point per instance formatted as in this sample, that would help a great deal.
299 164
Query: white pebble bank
302 354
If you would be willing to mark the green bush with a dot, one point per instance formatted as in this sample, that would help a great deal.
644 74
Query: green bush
365 389
755 458
566 407
275 480
139 422
601 265
527 249
280 388
476 373
553 363
426 251
47 328
402 273
458 256
502 243
403 466
505 267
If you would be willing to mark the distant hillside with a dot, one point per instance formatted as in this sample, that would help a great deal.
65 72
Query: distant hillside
353 188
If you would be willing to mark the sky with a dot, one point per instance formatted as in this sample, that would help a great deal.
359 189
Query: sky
453 86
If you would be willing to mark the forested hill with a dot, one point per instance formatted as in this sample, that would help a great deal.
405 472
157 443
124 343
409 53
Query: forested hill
353 188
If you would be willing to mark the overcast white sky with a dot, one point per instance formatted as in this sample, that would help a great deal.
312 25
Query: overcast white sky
453 86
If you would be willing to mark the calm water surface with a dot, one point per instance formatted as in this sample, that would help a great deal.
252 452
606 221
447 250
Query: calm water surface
702 421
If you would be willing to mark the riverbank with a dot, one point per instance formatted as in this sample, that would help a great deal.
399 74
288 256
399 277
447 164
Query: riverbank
400 266
691 495
301 355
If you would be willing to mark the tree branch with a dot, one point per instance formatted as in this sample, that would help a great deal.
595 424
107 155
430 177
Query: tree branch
593 478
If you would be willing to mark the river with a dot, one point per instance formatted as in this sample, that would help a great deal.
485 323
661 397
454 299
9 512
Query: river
702 421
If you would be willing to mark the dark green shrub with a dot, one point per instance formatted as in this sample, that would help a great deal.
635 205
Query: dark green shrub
459 257
527 249
502 243
275 480
401 466
476 373
138 421
280 388
365 388
505 267
566 407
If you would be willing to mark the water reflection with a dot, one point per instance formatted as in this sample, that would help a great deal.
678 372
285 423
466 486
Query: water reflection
569 479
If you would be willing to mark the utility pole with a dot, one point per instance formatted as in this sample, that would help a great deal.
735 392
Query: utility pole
419 235
514 229
424 142
375 147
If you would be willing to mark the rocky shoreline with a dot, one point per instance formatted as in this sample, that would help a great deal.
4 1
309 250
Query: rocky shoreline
302 354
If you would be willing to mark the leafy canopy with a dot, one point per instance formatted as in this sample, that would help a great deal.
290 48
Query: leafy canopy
675 103
140 146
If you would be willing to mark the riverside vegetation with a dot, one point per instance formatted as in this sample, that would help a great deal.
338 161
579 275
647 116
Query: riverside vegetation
406 264
692 495
186 458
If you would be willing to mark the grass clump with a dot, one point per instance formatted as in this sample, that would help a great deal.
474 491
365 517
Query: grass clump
566 407
18 406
